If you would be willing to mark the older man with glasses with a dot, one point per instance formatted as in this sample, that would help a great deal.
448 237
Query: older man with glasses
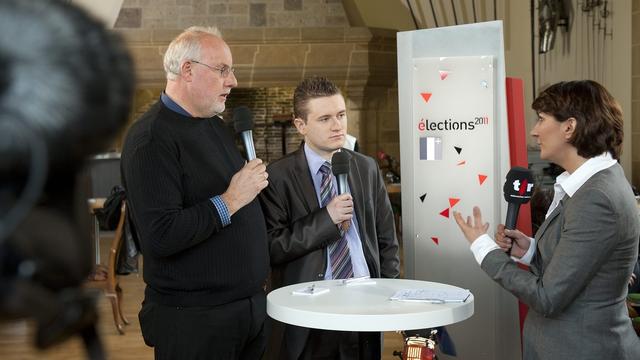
193 202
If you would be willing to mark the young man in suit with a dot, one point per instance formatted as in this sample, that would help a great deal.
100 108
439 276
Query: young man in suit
304 231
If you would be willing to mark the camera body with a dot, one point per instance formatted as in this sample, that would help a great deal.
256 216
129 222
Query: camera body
65 90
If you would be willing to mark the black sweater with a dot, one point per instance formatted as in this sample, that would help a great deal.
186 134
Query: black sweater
171 166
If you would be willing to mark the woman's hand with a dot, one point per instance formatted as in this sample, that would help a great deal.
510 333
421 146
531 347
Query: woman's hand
512 239
471 230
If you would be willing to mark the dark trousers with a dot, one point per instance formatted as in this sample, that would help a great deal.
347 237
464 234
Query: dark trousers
229 331
342 345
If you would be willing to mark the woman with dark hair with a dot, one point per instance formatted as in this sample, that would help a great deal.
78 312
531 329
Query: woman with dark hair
584 252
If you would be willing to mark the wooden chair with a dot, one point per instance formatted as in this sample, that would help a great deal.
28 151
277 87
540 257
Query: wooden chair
110 284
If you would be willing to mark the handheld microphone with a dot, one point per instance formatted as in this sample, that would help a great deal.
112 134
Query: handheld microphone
243 124
340 169
517 190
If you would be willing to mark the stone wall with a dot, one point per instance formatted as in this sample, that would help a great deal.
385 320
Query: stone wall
274 134
361 61
275 44
230 14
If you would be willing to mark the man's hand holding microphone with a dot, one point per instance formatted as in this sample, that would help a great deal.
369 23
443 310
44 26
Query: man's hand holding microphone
247 183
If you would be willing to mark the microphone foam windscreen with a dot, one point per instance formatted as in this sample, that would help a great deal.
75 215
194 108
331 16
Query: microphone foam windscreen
242 119
340 163
518 186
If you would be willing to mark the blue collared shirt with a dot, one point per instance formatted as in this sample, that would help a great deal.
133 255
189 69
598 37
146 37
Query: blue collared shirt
172 105
315 161
221 207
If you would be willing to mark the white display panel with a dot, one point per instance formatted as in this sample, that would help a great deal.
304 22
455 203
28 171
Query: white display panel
454 155
453 109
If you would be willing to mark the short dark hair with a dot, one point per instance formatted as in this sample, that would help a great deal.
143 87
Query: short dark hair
308 89
598 115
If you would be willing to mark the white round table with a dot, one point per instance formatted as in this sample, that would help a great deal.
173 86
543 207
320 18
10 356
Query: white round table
364 307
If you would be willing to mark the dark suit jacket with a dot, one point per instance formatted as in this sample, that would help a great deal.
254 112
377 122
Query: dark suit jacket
300 231
577 283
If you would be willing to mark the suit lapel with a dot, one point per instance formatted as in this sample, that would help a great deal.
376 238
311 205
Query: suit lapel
303 183
550 219
547 237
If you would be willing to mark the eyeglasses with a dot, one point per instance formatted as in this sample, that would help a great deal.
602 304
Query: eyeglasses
224 71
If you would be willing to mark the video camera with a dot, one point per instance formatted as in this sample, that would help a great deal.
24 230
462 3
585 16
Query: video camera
65 89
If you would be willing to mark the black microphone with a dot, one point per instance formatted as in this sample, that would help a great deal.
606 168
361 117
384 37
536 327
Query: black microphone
340 169
517 190
243 124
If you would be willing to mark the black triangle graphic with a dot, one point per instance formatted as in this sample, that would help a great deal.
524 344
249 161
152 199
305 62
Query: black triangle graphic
422 197
458 149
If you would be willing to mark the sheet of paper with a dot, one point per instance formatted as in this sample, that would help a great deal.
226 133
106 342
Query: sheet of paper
432 295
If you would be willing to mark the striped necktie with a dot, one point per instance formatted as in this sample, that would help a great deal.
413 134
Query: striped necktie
339 256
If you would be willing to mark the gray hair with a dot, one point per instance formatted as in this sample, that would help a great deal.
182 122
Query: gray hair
186 46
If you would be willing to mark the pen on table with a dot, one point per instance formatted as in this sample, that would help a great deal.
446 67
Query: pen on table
355 279
434 301
430 301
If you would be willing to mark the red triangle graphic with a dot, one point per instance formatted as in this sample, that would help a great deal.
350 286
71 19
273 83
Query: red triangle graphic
435 240
453 201
462 162
482 178
445 213
426 96
443 74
